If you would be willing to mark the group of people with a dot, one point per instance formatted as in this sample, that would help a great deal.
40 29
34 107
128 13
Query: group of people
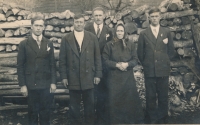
96 65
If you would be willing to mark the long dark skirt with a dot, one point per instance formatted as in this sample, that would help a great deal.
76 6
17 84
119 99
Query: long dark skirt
124 103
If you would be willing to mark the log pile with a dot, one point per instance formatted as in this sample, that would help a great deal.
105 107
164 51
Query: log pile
176 15
15 26
181 20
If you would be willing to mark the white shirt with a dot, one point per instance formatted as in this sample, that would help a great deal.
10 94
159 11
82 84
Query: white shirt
96 25
153 28
79 37
35 38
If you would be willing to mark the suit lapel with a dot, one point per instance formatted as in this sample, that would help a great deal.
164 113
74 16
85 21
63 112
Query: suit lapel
160 34
33 45
72 43
85 42
42 47
150 36
92 29
102 35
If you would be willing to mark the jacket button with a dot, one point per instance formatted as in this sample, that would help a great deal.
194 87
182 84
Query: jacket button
155 50
155 60
35 84
86 70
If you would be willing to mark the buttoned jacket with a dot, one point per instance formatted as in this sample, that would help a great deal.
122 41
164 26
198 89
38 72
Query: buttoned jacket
155 53
36 66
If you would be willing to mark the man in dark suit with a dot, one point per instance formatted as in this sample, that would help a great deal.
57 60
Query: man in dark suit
104 35
37 73
155 49
80 68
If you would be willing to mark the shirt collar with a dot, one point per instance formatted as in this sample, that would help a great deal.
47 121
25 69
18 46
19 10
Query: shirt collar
100 26
35 37
155 27
78 33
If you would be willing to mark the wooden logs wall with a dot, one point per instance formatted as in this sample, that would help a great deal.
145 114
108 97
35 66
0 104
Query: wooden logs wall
177 16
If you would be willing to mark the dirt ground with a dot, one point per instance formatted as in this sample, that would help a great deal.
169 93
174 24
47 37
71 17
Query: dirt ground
59 116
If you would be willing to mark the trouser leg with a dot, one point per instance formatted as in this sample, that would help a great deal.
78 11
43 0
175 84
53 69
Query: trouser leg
150 84
88 101
33 107
74 109
162 91
45 102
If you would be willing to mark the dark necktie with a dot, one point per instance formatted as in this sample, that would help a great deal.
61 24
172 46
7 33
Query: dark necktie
38 41
98 31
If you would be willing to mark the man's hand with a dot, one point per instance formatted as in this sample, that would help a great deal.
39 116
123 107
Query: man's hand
65 82
24 91
52 88
96 80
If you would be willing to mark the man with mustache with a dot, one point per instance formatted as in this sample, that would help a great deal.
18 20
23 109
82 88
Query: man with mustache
104 35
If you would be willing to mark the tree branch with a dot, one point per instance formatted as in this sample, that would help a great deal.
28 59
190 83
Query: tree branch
118 6
105 6
111 7
124 7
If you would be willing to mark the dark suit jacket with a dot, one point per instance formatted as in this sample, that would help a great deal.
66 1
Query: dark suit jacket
102 39
80 70
36 67
154 54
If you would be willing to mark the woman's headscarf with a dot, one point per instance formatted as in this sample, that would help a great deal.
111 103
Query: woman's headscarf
124 39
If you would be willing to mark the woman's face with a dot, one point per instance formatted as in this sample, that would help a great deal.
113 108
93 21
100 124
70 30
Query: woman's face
120 32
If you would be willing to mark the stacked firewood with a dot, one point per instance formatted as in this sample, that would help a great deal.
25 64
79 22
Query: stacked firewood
15 26
182 21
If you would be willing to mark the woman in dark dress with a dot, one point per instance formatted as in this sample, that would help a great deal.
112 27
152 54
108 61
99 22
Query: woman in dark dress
119 55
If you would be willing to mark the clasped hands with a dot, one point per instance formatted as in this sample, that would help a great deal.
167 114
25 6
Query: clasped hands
122 66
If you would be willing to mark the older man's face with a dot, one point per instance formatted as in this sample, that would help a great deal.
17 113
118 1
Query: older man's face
79 24
98 16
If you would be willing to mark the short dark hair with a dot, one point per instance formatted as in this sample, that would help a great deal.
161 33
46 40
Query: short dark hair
98 8
36 18
78 16
153 10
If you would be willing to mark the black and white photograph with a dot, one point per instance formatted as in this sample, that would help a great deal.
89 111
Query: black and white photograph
99 62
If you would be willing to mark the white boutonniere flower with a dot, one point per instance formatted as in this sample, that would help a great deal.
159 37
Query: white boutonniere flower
107 35
48 48
165 41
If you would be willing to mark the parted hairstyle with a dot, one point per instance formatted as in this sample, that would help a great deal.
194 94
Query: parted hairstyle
98 8
153 10
78 16
36 18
